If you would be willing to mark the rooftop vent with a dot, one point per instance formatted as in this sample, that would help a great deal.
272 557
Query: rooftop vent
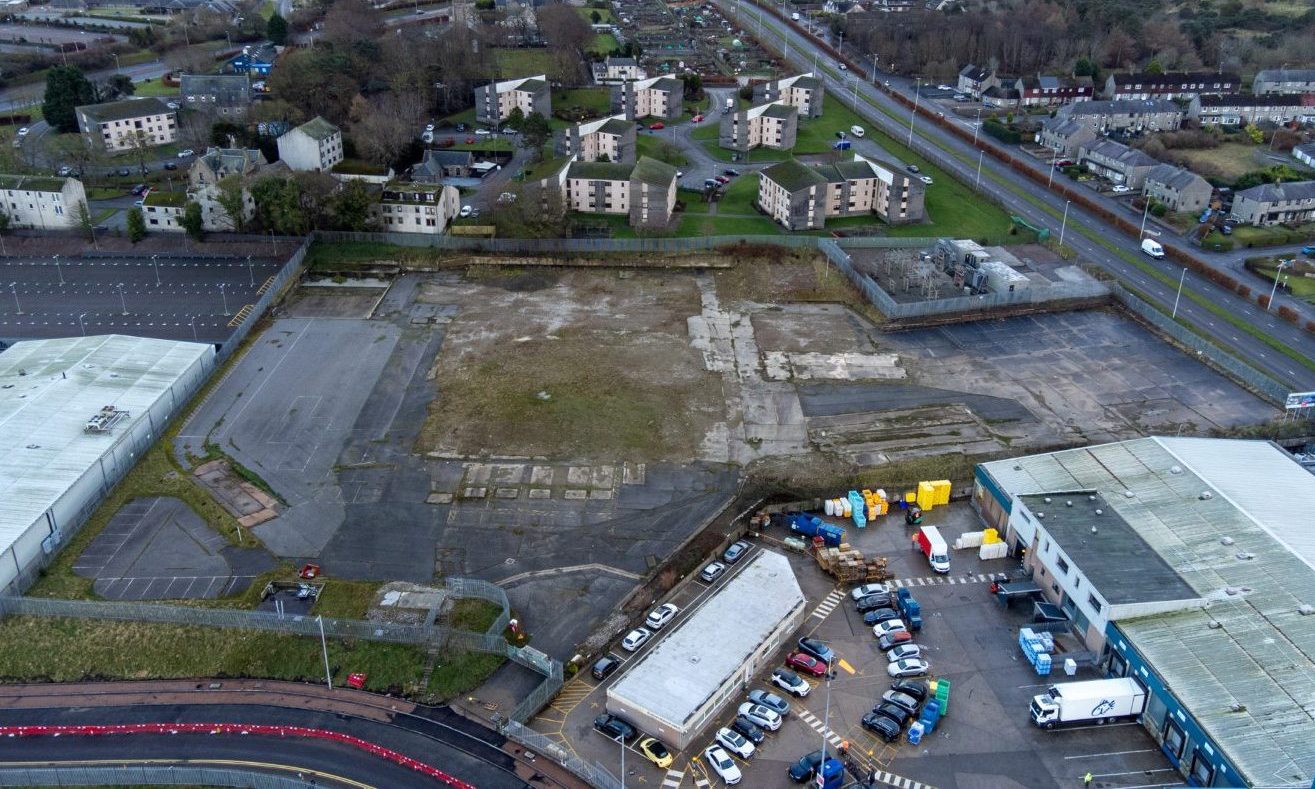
1213 625
1091 498
1100 512
1093 529
1068 504
1231 590
1041 515
1175 469
1047 499
694 658
1244 556
1127 494
1306 609
104 420
1206 495
1225 540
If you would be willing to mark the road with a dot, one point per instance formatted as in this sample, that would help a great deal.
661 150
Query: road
21 96
1093 240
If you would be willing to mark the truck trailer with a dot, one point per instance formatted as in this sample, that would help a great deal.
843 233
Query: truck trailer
1094 701
930 543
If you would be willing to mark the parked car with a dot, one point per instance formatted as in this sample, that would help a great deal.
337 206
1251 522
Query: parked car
731 171
446 142
895 712
657 753
64 171
883 727
712 571
170 166
749 729
721 179
139 189
910 687
736 550
1309 249
465 211
470 141
902 700
859 592
173 105
427 137
1064 162
614 728
856 130
880 615
889 626
877 600
604 666
908 668
843 67
817 648
904 652
926 179
735 743
806 663
759 715
661 615
892 640
659 126
804 769
960 97
186 152
697 118
123 172
913 168
23 132
507 197
636 638
482 132
841 134
944 87
1119 189
722 764
790 682
139 203
429 127
461 127
773 702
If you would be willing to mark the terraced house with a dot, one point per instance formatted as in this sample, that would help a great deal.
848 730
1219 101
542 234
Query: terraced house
804 92
800 197
606 139
1125 114
1276 204
772 125
644 191
655 97
41 202
1179 189
1284 81
1236 110
128 124
1170 85
1116 162
495 101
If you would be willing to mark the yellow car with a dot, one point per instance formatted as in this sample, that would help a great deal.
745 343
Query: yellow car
655 752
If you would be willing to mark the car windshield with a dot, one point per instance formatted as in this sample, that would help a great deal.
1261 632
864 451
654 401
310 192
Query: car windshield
658 749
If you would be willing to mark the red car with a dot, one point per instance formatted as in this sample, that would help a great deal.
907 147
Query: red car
657 126
698 119
806 663
721 179
470 141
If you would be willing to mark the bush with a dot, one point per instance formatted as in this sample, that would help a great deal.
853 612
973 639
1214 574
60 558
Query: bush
1001 132
1288 314
1158 209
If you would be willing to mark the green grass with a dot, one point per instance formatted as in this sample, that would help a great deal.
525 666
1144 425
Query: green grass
1297 283
155 87
103 215
105 192
662 150
523 62
817 135
483 144
738 196
473 614
543 168
693 200
1248 236
345 599
457 673
603 43
605 16
595 100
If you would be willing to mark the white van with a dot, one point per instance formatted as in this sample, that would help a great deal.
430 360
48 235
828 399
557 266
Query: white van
795 16
1152 248
857 131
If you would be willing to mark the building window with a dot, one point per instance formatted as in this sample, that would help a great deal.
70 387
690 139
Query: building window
1095 604
1174 739
1202 771
1061 565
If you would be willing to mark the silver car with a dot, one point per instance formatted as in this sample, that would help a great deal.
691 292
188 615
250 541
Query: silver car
760 716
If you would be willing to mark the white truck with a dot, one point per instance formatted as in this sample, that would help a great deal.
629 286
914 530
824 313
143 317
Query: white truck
730 105
1096 701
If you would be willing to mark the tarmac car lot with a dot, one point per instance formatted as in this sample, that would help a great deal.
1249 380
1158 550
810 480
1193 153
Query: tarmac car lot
968 638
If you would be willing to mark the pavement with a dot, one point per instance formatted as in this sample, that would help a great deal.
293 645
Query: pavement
1021 196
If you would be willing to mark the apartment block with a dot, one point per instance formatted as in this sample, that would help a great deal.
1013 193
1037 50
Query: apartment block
125 125
495 101
42 202
607 139
772 125
804 92
656 97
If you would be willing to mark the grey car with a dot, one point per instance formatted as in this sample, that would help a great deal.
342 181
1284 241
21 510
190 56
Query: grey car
771 701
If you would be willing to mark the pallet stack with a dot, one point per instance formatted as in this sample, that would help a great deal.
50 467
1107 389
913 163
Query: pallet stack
849 564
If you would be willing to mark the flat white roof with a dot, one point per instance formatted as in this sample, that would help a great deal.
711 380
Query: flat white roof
48 391
674 679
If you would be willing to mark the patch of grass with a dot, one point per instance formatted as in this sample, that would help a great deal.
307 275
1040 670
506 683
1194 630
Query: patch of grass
1249 236
1229 161
799 277
523 62
605 16
544 167
473 614
738 196
595 100
662 150
456 673
483 143
817 135
155 87
351 255
345 599
1298 279
105 193
603 43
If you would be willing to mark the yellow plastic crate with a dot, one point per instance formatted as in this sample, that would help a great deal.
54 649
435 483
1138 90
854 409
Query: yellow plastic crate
926 495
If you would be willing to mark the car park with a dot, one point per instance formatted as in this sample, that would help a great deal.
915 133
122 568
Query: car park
817 648
889 626
722 764
872 601
712 571
771 701
902 700
880 615
859 592
914 667
735 743
760 716
662 615
895 712
883 727
657 753
904 652
911 687
735 552
636 638
790 682
614 728
891 640
749 729
806 663
806 767
604 666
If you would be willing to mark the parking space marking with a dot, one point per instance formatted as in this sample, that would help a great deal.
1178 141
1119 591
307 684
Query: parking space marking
673 779
845 665
816 725
891 779
1109 753
828 604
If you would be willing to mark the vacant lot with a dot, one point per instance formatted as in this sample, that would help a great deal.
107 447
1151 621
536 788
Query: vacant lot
570 364
1228 162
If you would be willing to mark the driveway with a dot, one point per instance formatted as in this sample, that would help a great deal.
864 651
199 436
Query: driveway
35 149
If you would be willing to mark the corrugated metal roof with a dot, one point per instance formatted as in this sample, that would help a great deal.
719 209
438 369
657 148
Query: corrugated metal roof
48 391
689 664
1250 683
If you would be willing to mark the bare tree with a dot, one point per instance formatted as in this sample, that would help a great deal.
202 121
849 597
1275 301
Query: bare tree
385 125
563 27
352 21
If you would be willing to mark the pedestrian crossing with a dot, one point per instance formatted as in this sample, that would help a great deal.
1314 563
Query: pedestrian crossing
673 779
828 604
940 580
890 779
816 725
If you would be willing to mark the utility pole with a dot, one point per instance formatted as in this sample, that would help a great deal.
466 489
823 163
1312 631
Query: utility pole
81 326
13 288
1064 225
1146 210
917 94
1182 277
977 127
155 263
122 301
980 155
59 271
324 647
224 296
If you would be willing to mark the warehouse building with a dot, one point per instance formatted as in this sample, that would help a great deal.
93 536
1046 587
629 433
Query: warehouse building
1188 563
680 686
75 415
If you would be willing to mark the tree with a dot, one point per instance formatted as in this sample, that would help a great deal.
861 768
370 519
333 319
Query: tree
76 151
4 223
66 89
693 86
595 17
563 27
534 133
276 30
192 221
351 22
84 221
515 119
233 199
349 207
278 206
385 126
1085 68
136 225
118 86
1154 67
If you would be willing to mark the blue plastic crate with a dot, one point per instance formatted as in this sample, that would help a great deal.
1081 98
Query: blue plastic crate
915 733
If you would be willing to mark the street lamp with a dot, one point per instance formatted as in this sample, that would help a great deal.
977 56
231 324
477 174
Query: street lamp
1181 277
59 271
251 271
155 263
913 113
980 156
192 323
875 61
1146 210
224 296
1282 264
13 288
1051 180
324 647
117 67
122 301
977 127
81 326
1064 225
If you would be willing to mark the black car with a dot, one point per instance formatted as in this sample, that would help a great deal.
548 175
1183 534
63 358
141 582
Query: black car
731 171
883 727
124 172
895 712
139 190
735 552
911 687
913 168
614 728
878 600
902 700
603 666
749 729
880 615
804 769
171 165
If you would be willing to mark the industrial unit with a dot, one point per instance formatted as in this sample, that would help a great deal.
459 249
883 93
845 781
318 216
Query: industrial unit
1188 564
678 688
75 415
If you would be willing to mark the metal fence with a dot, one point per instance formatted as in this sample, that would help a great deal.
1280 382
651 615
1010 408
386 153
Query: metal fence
553 678
145 775
290 271
597 775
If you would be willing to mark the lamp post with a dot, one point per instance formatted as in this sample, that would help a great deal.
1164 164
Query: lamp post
192 323
977 127
13 288
913 113
81 326
1064 225
1282 264
251 272
117 67
1145 212
980 156
1051 179
875 61
324 648
59 271
224 296
122 301
155 263
1182 277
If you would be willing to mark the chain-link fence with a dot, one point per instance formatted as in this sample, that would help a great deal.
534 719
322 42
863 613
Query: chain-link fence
290 271
553 678
146 775
597 775
586 246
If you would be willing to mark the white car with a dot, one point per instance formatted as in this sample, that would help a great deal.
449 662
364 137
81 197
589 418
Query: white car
722 764
904 652
173 105
908 668
735 742
843 67
482 132
889 626
944 87
859 592
186 152
926 179
429 127
760 716
507 197
465 210
857 131
791 682
662 615
427 137
23 132
636 638
1121 189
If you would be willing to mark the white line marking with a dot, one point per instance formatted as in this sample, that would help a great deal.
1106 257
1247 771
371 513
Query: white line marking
1109 753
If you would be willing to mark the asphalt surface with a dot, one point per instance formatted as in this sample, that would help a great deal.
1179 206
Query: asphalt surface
178 298
1083 230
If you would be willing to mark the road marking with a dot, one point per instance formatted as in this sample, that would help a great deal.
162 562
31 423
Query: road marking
891 779
845 665
1108 753
673 779
1138 772
828 604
